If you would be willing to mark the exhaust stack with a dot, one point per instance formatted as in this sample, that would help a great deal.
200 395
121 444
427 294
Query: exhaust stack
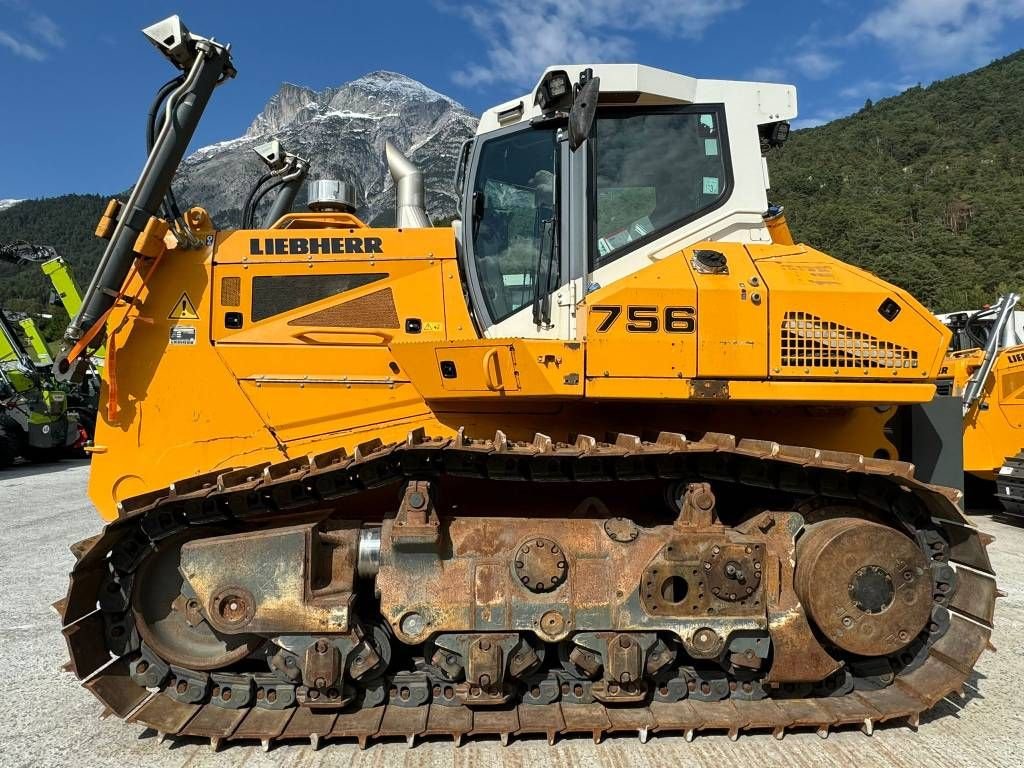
410 212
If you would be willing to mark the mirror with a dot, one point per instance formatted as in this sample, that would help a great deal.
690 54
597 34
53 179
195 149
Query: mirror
584 108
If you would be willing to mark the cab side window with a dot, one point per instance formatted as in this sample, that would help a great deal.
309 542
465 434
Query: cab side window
655 169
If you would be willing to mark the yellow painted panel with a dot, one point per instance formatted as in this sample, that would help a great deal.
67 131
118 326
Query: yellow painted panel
372 314
528 368
732 317
475 368
825 321
838 393
366 244
626 329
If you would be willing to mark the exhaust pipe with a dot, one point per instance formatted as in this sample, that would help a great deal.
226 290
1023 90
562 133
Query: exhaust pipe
410 212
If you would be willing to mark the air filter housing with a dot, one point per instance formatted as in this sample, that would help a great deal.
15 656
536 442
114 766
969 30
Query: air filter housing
331 195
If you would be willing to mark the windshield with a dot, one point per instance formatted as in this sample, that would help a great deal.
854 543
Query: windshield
655 170
513 198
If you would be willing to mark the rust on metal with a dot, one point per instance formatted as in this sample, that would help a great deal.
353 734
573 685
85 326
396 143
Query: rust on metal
650 645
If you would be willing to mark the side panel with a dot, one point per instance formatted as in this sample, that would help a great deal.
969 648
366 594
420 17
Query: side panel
830 320
644 325
171 409
994 428
732 318
312 352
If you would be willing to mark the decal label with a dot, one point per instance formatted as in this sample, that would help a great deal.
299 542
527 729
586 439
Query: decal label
313 246
642 318
183 336
183 309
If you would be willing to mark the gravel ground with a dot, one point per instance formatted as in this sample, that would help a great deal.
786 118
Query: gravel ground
48 720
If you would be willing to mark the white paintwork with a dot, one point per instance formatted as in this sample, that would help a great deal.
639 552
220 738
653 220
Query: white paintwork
747 106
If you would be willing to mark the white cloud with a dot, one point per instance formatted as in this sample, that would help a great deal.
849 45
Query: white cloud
940 33
815 65
808 122
47 29
874 89
767 74
21 48
821 117
525 36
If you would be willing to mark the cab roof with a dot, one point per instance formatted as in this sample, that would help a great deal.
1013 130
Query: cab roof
627 85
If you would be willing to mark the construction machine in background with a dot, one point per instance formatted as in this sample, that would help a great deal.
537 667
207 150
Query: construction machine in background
985 371
82 395
604 456
36 422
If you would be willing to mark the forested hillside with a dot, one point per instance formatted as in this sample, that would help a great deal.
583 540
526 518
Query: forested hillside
926 189
67 223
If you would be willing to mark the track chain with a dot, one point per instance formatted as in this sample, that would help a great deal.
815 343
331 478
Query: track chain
102 651
1010 485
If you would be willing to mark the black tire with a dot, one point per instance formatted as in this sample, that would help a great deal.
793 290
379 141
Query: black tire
44 455
8 449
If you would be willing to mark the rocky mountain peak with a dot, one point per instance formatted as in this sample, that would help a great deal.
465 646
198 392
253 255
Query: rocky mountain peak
283 108
341 131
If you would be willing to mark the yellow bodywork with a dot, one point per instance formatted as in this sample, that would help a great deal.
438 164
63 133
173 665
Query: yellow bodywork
994 426
238 357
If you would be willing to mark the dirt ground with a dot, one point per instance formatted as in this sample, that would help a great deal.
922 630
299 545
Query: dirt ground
47 719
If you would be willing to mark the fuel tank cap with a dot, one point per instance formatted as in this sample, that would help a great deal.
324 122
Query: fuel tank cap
710 262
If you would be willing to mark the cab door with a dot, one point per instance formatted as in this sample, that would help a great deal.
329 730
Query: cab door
515 235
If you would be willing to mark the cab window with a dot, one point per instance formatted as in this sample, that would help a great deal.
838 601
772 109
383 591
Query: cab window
654 170
514 205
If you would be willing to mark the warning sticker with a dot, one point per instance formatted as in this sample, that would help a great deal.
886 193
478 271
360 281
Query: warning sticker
183 309
183 336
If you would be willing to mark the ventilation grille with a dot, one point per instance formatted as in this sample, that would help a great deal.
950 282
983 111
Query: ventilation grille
273 295
230 291
374 310
810 342
944 387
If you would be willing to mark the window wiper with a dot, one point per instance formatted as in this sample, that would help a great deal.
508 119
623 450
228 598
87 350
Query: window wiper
548 251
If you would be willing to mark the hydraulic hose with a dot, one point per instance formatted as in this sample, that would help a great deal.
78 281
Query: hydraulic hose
259 199
249 208
153 125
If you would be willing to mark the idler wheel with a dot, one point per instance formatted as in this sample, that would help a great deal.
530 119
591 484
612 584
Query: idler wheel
867 587
173 625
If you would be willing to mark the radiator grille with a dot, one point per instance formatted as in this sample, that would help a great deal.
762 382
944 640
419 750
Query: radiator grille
808 341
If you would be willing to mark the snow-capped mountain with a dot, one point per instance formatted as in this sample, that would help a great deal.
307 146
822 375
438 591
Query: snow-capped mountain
341 131
8 202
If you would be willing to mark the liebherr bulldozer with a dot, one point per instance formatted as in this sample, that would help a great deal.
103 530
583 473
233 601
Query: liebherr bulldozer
984 370
610 454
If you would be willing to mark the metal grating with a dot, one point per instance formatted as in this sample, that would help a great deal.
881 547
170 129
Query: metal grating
276 294
808 341
230 291
374 310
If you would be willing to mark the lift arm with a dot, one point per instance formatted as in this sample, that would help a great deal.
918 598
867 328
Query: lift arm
205 64
1001 335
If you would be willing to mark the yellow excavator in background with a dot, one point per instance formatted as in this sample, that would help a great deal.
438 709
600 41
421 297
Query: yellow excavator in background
985 370
609 454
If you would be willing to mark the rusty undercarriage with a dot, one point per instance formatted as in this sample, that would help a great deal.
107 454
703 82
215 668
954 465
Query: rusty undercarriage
662 586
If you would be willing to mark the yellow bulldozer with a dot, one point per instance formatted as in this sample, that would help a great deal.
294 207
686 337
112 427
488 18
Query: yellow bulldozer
984 370
608 454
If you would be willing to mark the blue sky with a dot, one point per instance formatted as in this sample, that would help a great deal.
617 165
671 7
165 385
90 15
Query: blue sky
76 78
